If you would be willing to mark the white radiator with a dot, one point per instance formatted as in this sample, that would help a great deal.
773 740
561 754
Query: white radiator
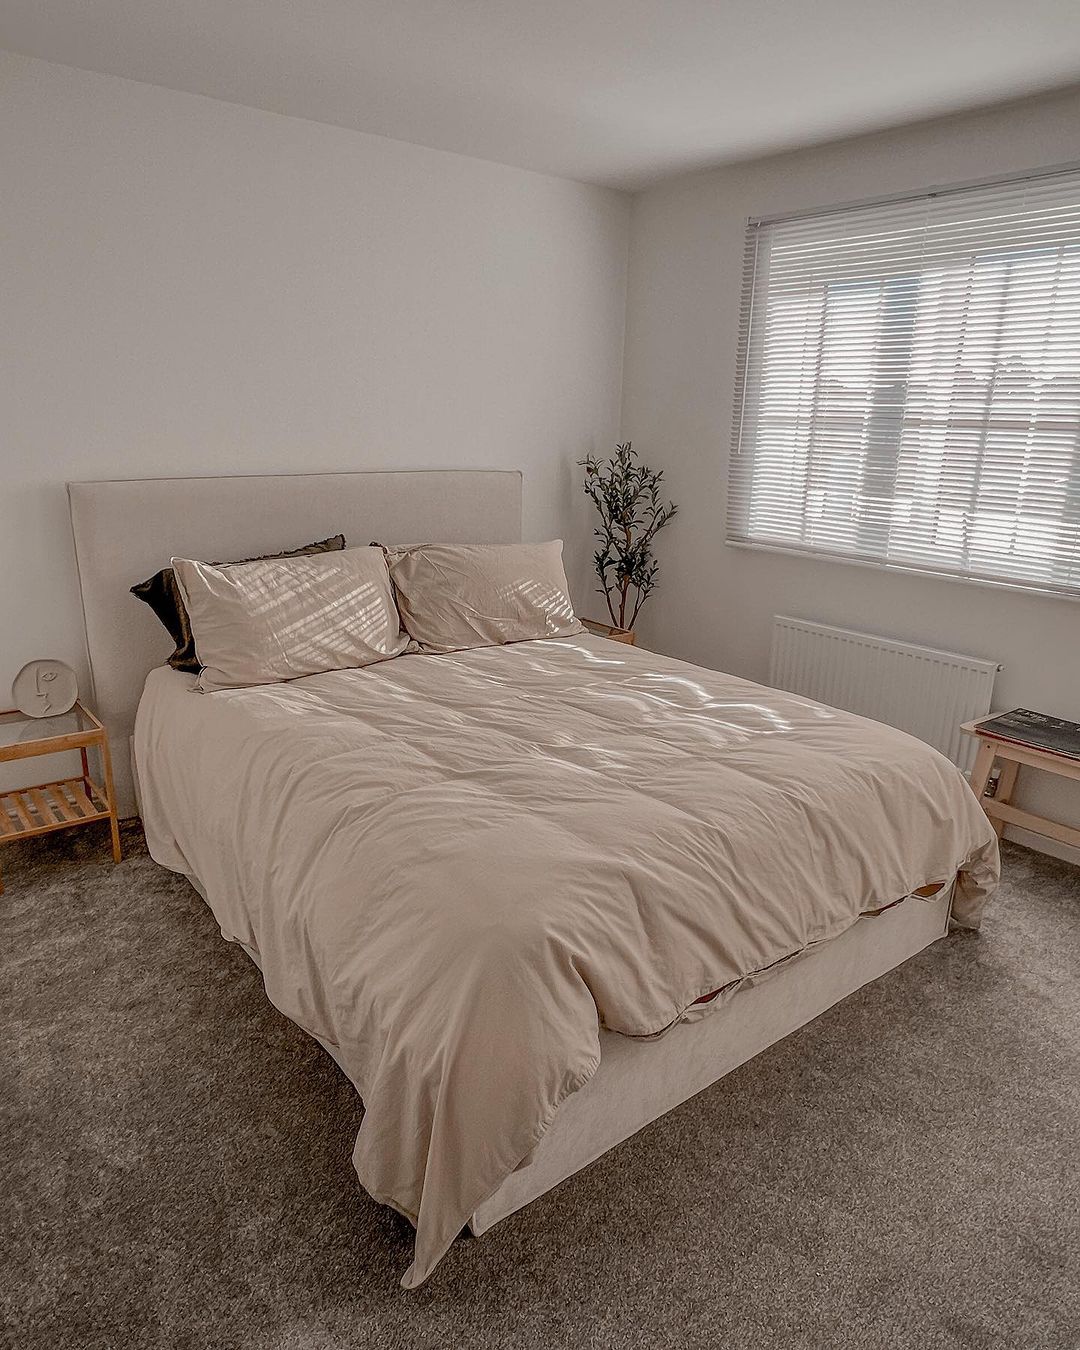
921 691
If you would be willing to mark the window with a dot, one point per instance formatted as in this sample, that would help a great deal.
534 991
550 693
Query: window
908 387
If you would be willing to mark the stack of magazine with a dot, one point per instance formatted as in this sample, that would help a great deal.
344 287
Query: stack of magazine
1034 729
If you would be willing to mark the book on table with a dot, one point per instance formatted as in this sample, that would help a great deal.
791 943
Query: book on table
1038 730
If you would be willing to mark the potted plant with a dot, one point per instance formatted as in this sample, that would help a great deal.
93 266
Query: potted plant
626 493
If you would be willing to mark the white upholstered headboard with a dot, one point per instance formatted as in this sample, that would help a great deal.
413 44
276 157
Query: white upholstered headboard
125 530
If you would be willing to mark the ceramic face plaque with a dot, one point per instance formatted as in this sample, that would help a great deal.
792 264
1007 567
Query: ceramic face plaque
45 688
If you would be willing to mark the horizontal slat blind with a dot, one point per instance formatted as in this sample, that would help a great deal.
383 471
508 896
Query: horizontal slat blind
908 384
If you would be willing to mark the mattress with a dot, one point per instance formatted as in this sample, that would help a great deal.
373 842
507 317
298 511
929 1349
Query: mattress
458 870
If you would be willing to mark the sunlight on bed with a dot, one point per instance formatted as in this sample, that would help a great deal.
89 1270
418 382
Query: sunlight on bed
345 608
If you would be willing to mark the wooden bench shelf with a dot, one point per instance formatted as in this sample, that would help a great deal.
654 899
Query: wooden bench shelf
599 629
61 803
51 806
1012 755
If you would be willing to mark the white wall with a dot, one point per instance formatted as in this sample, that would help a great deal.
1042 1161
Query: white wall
192 287
716 603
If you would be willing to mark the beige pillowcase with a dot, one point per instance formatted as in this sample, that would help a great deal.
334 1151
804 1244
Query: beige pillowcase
455 596
280 618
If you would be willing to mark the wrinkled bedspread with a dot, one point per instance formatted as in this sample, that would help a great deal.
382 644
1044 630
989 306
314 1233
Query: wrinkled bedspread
456 868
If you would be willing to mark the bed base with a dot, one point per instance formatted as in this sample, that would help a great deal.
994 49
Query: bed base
639 1081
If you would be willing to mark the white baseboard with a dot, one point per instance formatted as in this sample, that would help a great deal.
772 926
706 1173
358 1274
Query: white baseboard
1041 844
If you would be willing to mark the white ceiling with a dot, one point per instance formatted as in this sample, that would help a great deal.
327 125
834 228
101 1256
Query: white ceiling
612 91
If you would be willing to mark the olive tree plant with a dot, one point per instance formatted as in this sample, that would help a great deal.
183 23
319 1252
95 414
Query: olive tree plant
626 493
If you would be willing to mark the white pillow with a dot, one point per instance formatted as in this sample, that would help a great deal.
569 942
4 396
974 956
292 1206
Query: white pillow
455 596
280 618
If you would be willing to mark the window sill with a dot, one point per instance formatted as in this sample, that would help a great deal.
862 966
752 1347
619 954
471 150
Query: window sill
908 569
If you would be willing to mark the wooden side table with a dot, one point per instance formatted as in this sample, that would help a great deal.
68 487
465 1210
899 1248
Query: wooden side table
606 630
59 805
1013 754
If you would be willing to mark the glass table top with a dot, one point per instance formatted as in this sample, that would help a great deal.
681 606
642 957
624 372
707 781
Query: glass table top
16 728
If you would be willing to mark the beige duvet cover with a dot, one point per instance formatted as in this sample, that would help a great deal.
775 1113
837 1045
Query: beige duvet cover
455 867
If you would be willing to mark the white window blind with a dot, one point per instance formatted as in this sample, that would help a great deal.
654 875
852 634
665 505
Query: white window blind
908 385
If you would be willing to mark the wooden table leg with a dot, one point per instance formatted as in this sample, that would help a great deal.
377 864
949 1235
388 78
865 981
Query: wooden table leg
110 792
980 774
1006 782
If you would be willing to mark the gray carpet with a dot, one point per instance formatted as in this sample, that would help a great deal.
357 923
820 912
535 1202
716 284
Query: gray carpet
904 1172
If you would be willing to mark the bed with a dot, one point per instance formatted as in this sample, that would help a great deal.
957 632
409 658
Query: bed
530 897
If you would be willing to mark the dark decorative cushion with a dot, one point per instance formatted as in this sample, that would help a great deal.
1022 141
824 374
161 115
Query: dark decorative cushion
162 594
